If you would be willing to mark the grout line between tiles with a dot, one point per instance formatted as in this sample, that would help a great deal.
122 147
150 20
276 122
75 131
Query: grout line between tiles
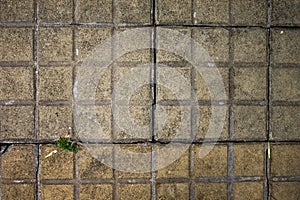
268 124
153 99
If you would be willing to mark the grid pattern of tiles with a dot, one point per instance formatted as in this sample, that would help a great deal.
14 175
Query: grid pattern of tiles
255 46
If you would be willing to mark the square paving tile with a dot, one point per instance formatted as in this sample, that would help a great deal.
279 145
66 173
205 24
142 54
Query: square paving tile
97 88
249 45
215 41
249 122
173 83
249 159
57 165
285 12
281 190
96 191
55 83
205 119
16 83
16 44
177 169
94 11
17 122
212 11
129 86
91 162
285 122
54 121
250 83
285 160
55 44
285 45
131 159
178 11
20 157
285 84
133 122
93 123
211 191
56 11
17 191
173 122
214 164
248 190
249 12
180 34
172 191
20 11
127 52
140 11
134 191
201 87
60 192
89 38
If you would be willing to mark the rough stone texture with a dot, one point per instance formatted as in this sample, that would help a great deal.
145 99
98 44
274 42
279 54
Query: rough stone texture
173 122
285 160
60 192
90 38
127 163
54 121
17 191
56 165
173 83
16 44
285 122
94 11
202 89
250 83
178 169
172 191
16 11
214 164
285 12
248 190
204 120
96 191
178 11
249 12
212 11
285 84
55 83
93 123
93 90
123 84
56 11
134 191
249 45
139 11
285 45
16 83
91 167
249 122
139 119
19 157
215 41
17 122
138 56
211 191
55 44
281 190
248 159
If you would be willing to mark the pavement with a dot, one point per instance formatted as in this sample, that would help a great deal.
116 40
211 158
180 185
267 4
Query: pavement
227 128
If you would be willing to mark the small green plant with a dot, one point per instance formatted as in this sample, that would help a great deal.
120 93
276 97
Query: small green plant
67 145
